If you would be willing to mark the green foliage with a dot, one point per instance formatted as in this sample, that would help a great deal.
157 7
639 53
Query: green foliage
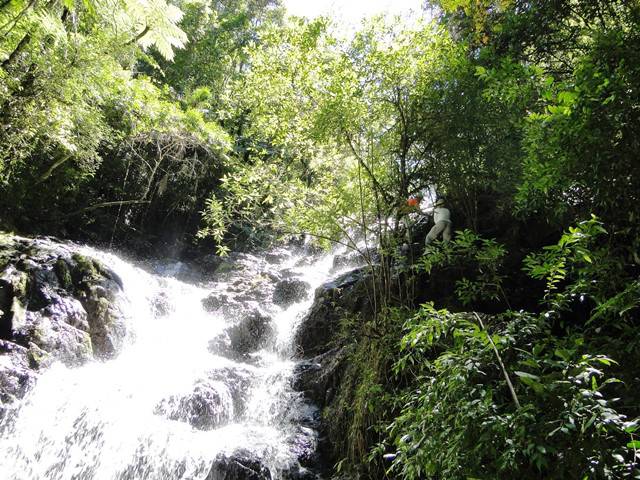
479 258
457 419
123 117
250 197
220 34
355 417
79 120
571 261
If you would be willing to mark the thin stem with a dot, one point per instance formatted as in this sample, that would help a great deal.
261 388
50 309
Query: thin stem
504 369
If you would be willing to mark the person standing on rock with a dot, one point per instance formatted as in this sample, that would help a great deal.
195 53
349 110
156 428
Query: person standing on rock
442 223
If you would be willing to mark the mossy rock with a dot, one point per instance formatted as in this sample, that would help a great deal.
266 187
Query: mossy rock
63 272
85 269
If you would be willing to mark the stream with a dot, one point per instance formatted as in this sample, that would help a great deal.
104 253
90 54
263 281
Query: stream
200 390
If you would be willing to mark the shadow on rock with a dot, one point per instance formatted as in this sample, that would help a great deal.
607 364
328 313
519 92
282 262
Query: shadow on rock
241 465
208 406
290 291
347 294
251 334
55 304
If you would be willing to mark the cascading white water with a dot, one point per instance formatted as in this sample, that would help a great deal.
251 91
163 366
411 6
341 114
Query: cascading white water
124 418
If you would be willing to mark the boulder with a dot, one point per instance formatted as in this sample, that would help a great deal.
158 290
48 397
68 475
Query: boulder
276 256
208 406
319 377
16 374
346 295
238 381
208 263
161 305
346 260
97 288
220 302
299 473
290 291
252 333
241 465
55 304
304 442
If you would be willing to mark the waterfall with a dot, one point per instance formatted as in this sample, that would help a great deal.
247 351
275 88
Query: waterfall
175 400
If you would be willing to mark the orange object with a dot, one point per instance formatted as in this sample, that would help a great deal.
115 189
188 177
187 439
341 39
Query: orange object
412 202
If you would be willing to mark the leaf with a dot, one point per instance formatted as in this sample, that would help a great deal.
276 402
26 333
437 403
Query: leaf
527 375
635 444
531 380
567 98
89 5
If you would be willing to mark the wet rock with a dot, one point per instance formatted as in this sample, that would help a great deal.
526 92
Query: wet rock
16 375
226 266
276 257
299 473
221 302
106 322
290 291
319 377
161 305
288 273
346 260
274 277
52 338
208 406
252 333
304 442
346 295
238 381
241 465
208 264
55 305
243 292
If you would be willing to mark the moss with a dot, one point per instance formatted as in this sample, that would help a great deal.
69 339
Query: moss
85 269
37 356
87 344
63 273
225 267
7 249
20 284
354 417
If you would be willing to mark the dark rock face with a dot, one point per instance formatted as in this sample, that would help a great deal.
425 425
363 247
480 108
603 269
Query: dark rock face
224 303
208 263
346 260
276 256
16 375
207 407
348 294
299 473
304 444
252 333
289 291
319 377
55 305
242 465
238 381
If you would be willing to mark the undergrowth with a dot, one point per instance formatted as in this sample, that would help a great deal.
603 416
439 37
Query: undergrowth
547 394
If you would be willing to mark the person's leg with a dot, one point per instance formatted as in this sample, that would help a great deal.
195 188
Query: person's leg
407 229
434 232
446 234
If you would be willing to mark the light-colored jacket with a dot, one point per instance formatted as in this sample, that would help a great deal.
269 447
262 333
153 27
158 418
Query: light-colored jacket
441 214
